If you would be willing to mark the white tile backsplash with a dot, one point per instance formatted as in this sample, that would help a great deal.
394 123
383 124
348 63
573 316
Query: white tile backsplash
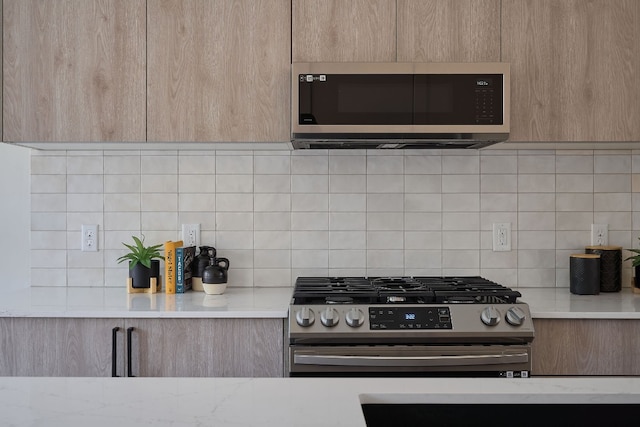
277 215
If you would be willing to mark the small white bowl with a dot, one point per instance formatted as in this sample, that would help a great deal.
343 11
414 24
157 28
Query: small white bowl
214 288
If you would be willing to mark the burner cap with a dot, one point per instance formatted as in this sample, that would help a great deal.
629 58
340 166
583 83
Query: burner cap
338 300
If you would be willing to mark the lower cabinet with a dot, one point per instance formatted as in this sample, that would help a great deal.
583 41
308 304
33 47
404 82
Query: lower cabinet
141 347
586 347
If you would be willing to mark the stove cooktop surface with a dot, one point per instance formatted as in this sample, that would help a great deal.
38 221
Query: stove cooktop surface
401 290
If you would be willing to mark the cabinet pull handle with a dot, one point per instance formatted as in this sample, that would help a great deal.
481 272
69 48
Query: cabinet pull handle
114 351
129 333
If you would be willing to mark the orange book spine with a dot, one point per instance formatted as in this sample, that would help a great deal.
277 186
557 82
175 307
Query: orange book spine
170 266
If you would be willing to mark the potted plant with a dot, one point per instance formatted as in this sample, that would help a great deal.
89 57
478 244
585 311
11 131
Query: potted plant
635 263
144 262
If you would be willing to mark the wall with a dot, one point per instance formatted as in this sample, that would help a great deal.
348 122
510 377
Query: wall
14 217
278 215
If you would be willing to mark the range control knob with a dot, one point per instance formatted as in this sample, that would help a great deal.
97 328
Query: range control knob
329 317
355 317
515 316
305 317
490 316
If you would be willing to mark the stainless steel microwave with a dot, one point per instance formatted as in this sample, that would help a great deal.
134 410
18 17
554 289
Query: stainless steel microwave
399 105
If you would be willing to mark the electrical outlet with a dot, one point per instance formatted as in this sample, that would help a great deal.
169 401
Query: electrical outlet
599 234
191 234
502 237
89 238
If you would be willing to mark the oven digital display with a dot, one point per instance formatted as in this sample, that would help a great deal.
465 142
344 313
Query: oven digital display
400 318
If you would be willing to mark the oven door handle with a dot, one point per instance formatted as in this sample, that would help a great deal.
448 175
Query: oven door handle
426 361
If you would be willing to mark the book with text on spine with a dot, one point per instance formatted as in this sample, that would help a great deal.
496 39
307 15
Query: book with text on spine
170 265
184 259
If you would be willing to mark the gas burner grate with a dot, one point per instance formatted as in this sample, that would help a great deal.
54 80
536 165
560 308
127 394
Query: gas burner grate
414 290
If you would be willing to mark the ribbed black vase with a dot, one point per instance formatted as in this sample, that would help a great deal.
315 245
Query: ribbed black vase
141 275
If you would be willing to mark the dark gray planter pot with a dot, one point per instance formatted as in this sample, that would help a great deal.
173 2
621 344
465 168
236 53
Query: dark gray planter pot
141 275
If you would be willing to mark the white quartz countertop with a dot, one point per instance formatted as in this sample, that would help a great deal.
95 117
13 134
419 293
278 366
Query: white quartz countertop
247 302
559 303
266 402
236 302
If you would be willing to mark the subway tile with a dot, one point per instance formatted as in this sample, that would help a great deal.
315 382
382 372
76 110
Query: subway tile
234 221
423 240
385 164
271 240
498 260
422 183
158 164
423 259
44 240
461 164
122 202
574 164
620 221
272 277
85 165
309 202
498 164
234 240
48 258
460 184
159 183
610 183
538 239
347 240
467 221
347 221
422 221
204 202
385 258
603 202
234 183
496 202
347 202
385 184
532 221
85 277
574 202
161 221
271 221
234 202
310 259
348 259
48 165
452 265
574 183
461 202
309 183
272 202
498 183
536 164
423 165
573 221
309 221
122 221
611 164
309 164
122 183
536 258
196 183
122 164
234 165
201 164
537 202
85 184
382 221
270 165
48 184
274 258
542 183
309 240
347 165
461 240
272 184
385 202
48 277
423 203
85 202
53 221
385 240
347 183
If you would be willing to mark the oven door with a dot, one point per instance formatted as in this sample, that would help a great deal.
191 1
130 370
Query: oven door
411 360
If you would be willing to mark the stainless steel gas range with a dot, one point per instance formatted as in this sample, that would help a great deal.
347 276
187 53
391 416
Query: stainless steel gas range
408 326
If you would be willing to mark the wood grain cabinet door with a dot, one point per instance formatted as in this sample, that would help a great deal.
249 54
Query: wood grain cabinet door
74 70
575 69
448 31
219 70
343 31
60 347
207 347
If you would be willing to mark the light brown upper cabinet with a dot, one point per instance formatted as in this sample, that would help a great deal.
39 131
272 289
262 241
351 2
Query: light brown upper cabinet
575 69
74 70
448 31
219 70
344 31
